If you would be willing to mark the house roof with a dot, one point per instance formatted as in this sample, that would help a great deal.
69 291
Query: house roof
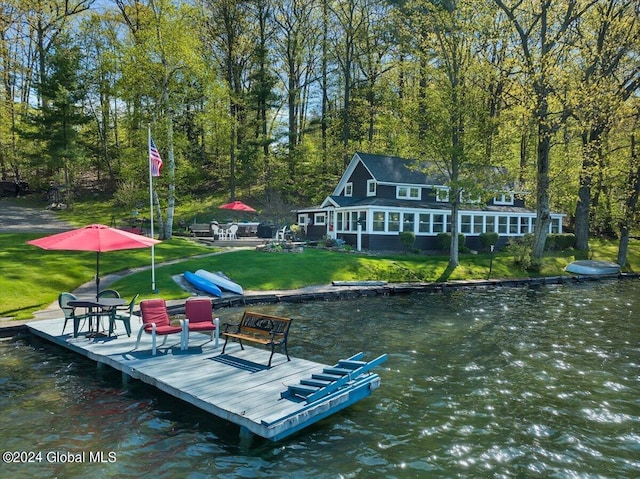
393 169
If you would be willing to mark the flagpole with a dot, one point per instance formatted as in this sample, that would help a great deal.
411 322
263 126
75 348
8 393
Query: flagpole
153 252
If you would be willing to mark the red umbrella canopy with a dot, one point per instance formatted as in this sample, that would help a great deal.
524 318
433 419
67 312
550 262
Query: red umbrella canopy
98 238
237 206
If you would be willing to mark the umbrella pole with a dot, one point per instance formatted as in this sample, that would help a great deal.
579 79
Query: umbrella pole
97 273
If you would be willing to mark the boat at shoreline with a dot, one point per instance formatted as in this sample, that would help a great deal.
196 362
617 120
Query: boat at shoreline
590 267
220 280
202 284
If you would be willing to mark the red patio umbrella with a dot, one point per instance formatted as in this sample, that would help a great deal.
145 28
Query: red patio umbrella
98 238
237 206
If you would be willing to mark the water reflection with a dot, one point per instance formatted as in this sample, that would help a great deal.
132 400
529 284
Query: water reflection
505 382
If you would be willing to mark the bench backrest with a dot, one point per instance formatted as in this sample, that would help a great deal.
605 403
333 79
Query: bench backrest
265 324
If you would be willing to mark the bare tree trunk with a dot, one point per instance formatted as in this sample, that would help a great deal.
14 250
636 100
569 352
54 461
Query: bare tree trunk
630 203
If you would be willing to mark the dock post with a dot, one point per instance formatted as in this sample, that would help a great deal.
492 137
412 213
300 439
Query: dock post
125 379
246 437
216 332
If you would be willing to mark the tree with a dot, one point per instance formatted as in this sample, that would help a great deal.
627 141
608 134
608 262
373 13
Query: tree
445 33
609 75
296 45
350 18
60 116
161 61
230 36
631 193
544 40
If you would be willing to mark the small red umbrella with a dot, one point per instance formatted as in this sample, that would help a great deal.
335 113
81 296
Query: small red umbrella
98 238
237 206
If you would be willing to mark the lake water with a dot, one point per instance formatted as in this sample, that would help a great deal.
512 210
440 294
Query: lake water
506 382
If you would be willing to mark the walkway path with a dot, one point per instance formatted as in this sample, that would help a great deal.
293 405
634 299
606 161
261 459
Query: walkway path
18 217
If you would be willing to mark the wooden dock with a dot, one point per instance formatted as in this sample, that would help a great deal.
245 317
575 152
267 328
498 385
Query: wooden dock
238 386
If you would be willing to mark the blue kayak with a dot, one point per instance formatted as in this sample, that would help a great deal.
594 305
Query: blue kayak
202 284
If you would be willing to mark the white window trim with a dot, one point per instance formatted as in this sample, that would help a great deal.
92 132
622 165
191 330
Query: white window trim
441 190
348 189
375 188
410 189
506 199
320 219
465 198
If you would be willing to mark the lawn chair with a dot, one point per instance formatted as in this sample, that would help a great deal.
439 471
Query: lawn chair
232 232
123 314
70 312
108 293
105 293
216 230
199 314
156 321
280 234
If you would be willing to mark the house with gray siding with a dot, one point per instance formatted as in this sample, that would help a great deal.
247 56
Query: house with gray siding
379 196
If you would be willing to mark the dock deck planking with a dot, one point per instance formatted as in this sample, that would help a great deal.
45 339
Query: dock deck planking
237 386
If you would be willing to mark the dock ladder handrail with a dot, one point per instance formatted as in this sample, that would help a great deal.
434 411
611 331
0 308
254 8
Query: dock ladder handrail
333 378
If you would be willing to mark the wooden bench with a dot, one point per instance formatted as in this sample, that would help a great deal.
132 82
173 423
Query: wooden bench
200 229
260 328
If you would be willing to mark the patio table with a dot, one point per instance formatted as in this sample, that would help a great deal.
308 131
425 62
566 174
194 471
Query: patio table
96 308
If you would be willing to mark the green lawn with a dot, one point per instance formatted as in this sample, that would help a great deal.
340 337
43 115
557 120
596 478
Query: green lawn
31 278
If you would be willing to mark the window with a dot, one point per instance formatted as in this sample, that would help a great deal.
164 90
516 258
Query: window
424 223
371 187
442 194
503 225
439 224
524 225
354 220
360 218
394 221
504 199
490 224
346 226
408 192
408 222
465 224
348 189
320 219
477 224
555 225
302 219
378 220
339 224
513 226
466 197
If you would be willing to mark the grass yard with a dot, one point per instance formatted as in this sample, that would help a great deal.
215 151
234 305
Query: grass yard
31 278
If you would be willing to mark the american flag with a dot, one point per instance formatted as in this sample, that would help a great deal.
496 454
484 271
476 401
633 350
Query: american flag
155 162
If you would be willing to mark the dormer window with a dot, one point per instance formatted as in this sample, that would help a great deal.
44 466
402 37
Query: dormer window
442 194
503 199
468 199
371 187
348 189
408 192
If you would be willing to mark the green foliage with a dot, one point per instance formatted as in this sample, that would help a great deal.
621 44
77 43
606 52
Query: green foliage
520 249
444 241
559 242
407 238
22 268
488 239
